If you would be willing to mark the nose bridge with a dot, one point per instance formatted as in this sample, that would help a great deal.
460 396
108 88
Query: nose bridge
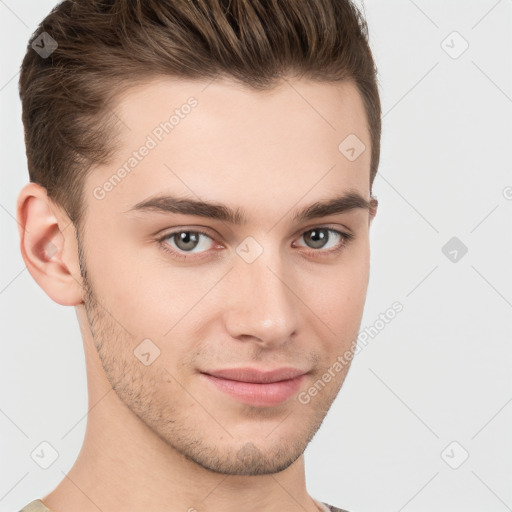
261 304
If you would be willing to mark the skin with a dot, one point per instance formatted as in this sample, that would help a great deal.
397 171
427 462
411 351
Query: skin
158 436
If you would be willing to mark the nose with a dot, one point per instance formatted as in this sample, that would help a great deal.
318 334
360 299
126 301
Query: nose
260 303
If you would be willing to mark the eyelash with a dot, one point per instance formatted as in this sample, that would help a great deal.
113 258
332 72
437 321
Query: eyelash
345 239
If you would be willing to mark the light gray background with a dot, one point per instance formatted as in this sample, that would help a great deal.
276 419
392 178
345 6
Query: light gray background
439 372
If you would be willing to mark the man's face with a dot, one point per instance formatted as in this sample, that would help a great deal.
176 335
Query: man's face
269 293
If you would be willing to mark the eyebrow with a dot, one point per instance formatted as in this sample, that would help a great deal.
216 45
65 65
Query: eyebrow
213 210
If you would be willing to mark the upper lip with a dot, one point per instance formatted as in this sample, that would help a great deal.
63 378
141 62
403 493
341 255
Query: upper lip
257 376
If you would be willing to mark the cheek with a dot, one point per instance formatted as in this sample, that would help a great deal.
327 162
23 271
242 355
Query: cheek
130 279
341 290
339 299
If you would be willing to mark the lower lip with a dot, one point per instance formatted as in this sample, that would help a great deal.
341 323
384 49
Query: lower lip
264 395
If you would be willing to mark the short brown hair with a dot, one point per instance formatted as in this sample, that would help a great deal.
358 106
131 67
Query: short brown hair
106 46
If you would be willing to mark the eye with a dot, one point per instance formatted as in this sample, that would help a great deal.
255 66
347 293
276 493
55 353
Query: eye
321 237
187 241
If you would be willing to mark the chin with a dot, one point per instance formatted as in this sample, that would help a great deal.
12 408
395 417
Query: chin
249 460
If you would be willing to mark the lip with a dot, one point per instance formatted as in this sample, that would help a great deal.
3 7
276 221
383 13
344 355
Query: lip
257 387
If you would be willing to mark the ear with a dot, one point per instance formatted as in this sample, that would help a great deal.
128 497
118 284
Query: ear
48 245
374 203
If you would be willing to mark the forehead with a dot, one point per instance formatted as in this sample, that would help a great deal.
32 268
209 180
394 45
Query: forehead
222 141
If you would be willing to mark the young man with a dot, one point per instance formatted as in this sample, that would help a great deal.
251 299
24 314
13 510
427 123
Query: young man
201 176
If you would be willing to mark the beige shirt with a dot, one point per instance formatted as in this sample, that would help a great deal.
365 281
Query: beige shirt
38 506
35 506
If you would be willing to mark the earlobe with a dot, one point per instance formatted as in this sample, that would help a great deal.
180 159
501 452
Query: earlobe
48 245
